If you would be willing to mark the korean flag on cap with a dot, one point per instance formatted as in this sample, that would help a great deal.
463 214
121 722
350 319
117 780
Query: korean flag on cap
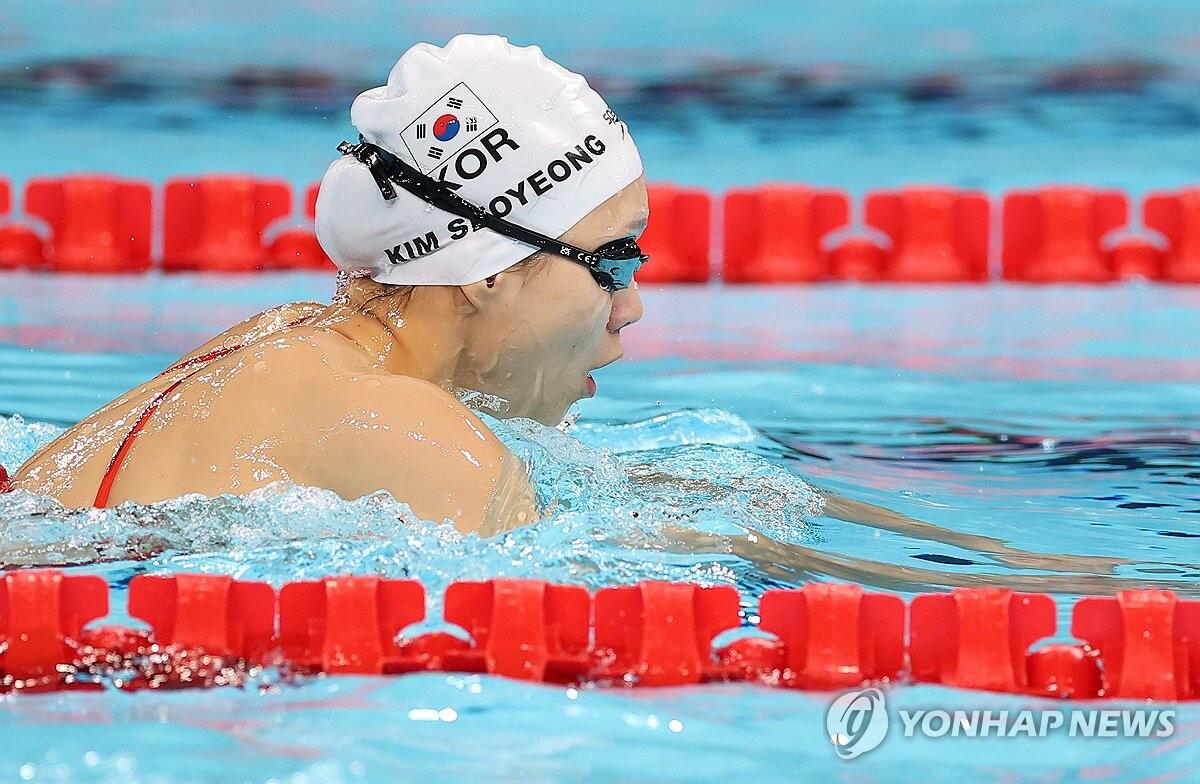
448 125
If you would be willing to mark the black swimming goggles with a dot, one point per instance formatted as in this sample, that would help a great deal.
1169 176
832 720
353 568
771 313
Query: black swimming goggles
612 265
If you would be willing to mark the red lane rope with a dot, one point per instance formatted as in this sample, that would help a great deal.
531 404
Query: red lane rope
773 233
211 630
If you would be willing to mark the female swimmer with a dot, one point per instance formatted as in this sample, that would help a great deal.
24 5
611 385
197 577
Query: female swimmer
485 226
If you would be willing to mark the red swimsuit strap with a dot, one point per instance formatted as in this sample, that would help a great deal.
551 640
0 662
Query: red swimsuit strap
118 458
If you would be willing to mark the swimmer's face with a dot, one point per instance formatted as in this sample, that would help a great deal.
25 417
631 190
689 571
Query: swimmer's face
542 327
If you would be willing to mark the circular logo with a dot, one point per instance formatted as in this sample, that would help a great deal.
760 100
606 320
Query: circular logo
857 722
445 127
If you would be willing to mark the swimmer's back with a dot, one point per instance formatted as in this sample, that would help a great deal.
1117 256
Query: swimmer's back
300 404
72 466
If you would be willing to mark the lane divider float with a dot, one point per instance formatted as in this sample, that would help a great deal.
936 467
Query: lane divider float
772 233
212 630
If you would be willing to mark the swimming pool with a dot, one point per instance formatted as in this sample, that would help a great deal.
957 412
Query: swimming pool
852 94
1059 419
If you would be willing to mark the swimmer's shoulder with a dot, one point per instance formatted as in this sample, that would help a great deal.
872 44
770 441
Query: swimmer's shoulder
323 363
256 328
375 400
361 429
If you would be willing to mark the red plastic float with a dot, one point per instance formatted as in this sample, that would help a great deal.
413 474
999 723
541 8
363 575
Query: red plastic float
20 246
775 233
677 236
216 223
523 629
42 614
1177 217
213 613
835 635
296 247
977 638
1136 257
937 234
1054 234
660 634
97 223
1064 671
1148 640
858 259
348 624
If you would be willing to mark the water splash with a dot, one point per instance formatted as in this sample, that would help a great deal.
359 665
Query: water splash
608 490
20 439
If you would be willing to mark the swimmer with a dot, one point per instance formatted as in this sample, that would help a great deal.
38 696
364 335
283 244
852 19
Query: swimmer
485 226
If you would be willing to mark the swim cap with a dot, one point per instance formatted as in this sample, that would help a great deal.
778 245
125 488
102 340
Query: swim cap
502 126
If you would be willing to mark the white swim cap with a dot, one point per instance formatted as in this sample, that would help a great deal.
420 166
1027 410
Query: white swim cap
505 127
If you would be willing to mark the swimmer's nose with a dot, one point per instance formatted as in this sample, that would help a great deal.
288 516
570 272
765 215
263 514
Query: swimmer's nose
626 309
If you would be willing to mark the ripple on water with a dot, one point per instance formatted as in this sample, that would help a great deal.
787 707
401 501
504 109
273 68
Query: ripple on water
608 491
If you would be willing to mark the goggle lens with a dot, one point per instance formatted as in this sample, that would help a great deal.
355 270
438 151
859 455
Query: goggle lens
620 259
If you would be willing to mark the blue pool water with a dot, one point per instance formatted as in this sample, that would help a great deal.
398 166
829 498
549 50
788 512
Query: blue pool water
1054 420
849 93
1057 420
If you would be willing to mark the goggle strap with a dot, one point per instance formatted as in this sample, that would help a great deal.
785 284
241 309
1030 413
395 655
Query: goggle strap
360 153
387 169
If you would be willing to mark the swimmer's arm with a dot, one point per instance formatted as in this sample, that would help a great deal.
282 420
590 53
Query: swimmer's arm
795 564
414 440
861 513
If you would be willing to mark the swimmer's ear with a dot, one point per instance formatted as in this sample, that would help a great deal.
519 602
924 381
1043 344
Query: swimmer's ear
496 289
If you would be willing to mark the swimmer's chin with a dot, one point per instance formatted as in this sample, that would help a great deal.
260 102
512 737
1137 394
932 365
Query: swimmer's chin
586 391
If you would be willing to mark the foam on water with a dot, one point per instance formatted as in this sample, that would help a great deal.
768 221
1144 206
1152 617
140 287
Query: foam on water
607 496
